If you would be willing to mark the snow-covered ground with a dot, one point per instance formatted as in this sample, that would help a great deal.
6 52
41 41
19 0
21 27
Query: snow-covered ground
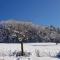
38 51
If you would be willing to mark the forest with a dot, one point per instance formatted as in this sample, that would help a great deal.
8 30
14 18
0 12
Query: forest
12 31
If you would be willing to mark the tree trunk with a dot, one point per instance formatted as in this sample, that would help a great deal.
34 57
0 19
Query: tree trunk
22 52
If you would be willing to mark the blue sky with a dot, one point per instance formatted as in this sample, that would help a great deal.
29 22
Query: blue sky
46 12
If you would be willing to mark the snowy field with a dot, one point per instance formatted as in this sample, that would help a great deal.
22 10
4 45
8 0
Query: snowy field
37 51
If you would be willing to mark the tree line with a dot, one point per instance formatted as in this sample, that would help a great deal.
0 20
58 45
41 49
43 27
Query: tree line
32 32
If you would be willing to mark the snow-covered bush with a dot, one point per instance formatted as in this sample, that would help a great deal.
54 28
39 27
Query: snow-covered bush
26 54
58 55
37 52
